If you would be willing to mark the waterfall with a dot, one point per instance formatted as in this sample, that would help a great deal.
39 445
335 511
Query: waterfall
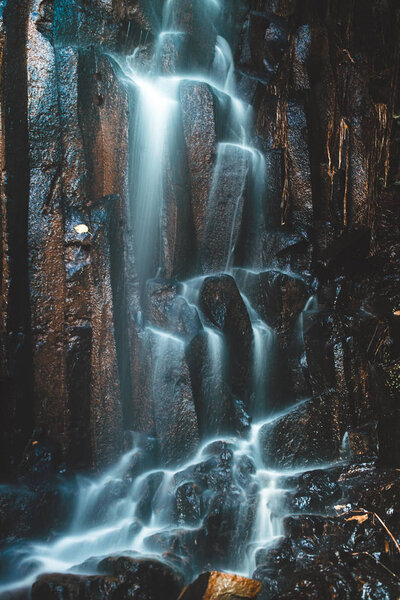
133 507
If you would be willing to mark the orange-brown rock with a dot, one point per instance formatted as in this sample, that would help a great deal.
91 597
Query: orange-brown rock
221 586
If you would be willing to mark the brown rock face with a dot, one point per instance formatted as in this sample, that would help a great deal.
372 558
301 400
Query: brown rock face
221 586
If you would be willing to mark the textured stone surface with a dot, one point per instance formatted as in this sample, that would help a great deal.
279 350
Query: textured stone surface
221 586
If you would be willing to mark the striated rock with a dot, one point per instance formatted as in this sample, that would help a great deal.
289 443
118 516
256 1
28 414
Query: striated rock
103 118
106 412
221 586
16 378
299 170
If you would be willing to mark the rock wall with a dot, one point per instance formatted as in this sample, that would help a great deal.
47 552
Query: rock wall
323 81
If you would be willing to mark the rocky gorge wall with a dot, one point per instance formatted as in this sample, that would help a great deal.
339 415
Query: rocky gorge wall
323 83
322 78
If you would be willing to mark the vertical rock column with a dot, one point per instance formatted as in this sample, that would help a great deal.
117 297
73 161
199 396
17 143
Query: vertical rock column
46 238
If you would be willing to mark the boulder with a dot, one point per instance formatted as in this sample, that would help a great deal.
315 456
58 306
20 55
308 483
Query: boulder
317 491
221 586
150 578
309 434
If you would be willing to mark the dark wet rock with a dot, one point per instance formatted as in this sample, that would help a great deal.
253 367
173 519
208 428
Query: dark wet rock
274 33
190 17
300 211
41 457
316 492
141 409
188 504
146 578
218 586
308 434
175 419
225 207
221 524
224 450
45 239
283 8
213 400
278 297
343 544
333 574
177 244
222 304
31 511
362 443
301 53
245 470
66 587
103 112
150 577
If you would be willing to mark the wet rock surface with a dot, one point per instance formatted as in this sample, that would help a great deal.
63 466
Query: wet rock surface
217 586
145 579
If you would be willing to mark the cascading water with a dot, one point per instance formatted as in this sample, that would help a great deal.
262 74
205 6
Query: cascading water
131 507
